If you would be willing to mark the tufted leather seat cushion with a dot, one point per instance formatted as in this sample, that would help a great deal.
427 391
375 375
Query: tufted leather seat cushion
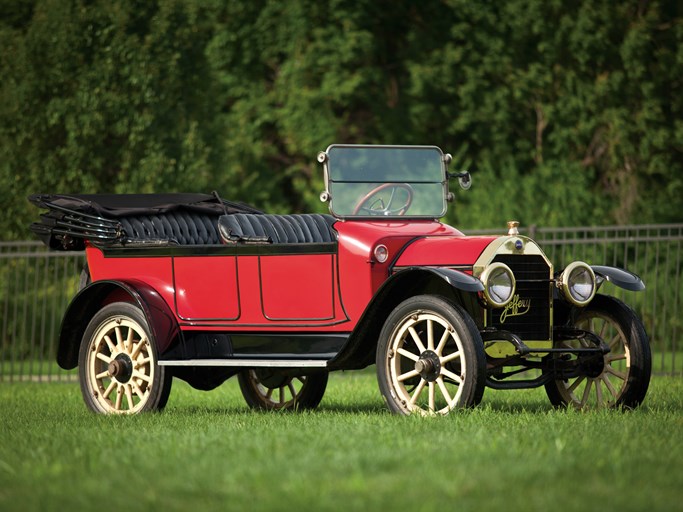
182 227
278 229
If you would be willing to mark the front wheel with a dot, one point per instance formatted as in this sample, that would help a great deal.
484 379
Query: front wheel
118 363
266 389
624 374
430 358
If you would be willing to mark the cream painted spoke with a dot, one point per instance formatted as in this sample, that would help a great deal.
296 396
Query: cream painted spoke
598 392
408 354
602 330
442 341
104 358
407 375
129 340
102 375
574 385
451 375
142 362
615 372
615 357
136 350
609 386
418 390
416 339
119 396
432 393
110 344
140 375
444 391
137 389
430 334
119 338
129 396
109 389
586 392
614 342
449 357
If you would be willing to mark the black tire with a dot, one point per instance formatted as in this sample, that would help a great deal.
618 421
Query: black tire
427 374
266 389
118 363
627 367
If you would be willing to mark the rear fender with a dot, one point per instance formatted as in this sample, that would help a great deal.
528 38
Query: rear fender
162 322
461 288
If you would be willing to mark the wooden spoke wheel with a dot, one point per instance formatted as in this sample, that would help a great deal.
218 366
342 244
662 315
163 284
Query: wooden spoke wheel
118 363
268 389
430 358
623 376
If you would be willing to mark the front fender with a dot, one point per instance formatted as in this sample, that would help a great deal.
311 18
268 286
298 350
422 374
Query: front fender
359 349
163 325
619 277
457 279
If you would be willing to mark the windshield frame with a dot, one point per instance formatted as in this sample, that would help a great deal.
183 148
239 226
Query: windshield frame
327 158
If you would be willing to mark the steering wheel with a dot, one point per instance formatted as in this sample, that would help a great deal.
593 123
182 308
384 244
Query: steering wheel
370 206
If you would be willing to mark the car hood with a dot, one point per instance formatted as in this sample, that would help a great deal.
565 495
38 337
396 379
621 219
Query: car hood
450 251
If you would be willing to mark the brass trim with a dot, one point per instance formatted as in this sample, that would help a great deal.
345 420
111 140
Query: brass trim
563 283
485 276
509 245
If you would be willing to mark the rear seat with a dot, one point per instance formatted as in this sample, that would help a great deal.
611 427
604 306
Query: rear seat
190 228
277 229
181 227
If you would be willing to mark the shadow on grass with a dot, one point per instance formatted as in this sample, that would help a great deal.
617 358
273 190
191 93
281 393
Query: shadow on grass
665 395
231 410
505 407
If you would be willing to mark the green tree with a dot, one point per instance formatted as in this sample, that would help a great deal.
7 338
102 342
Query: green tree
566 112
568 107
104 97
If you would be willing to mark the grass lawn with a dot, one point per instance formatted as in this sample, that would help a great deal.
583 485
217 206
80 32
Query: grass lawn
207 451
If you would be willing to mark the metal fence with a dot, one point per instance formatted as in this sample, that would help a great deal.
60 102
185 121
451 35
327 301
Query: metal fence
36 286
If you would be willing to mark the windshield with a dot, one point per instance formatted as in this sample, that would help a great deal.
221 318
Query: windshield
388 181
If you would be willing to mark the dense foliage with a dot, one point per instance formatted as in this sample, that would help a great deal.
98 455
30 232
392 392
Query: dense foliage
565 112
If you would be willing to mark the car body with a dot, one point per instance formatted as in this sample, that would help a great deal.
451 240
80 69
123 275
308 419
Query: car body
202 289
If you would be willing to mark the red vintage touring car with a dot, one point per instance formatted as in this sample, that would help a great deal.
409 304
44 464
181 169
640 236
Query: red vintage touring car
199 288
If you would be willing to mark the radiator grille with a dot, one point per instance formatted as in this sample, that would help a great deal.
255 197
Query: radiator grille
528 315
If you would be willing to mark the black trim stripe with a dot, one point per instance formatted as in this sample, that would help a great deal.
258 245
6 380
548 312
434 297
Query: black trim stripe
218 250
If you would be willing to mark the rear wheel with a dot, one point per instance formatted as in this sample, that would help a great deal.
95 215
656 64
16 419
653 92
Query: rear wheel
118 363
266 389
624 375
430 358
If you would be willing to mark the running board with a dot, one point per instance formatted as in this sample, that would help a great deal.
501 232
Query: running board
249 363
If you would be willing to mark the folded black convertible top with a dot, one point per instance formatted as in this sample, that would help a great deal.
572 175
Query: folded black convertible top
112 206
73 218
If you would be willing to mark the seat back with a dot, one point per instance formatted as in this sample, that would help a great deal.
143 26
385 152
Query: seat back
277 229
182 227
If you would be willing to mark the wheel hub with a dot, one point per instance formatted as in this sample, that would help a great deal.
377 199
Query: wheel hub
271 379
428 365
121 368
593 367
